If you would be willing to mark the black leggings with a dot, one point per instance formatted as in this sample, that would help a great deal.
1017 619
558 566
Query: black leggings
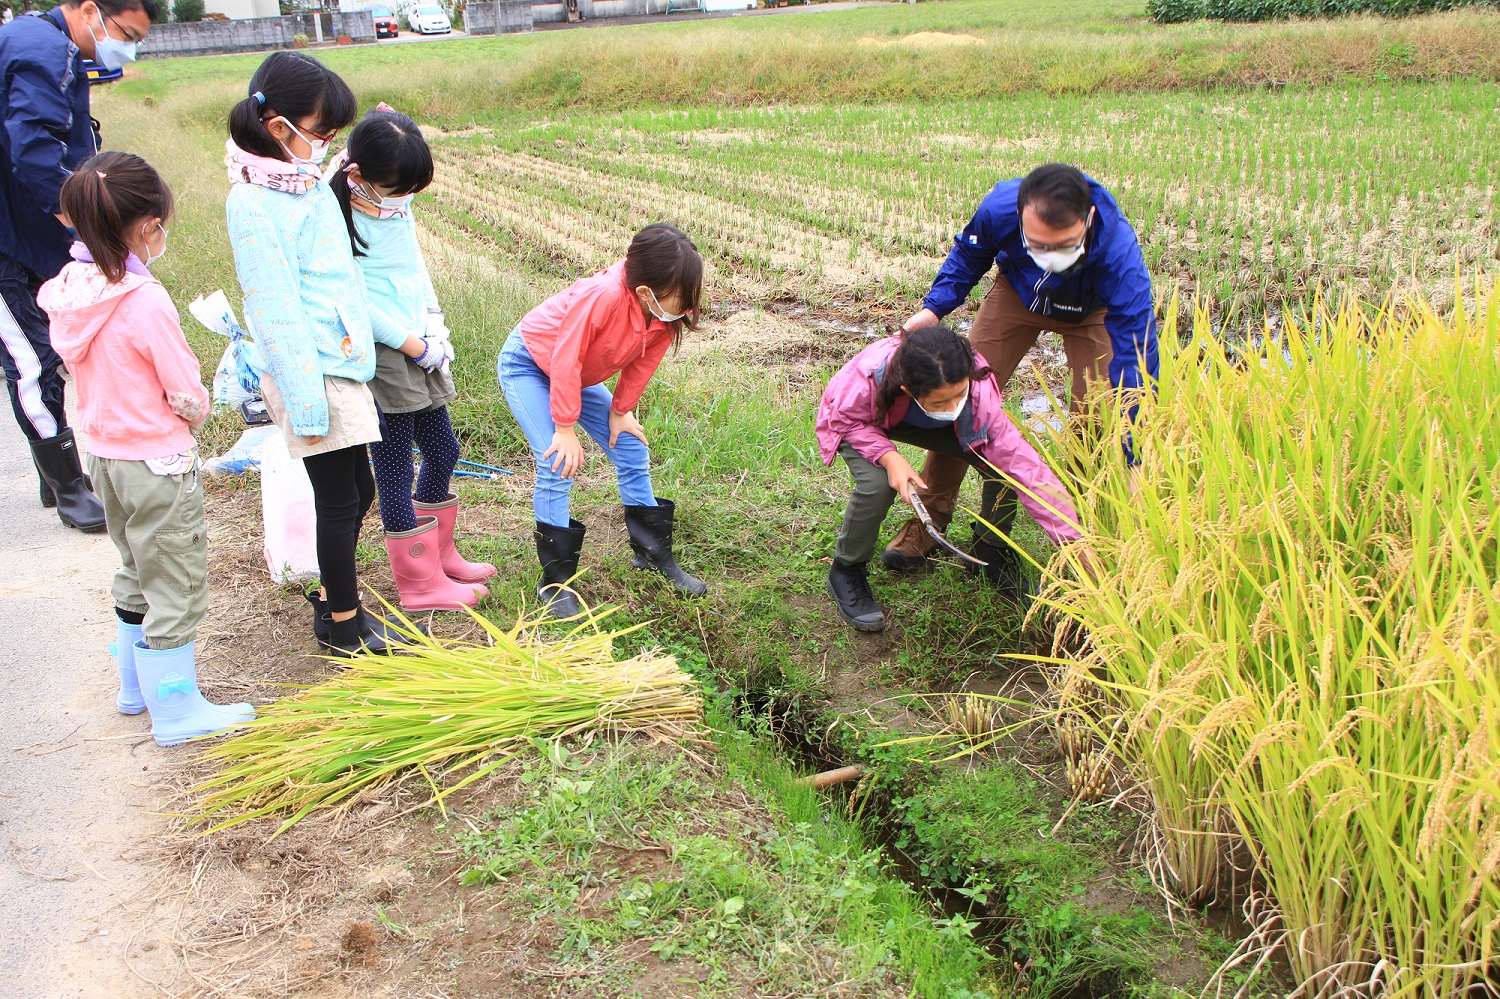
343 490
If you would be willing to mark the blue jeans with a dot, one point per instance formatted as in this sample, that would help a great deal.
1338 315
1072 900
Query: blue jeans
528 390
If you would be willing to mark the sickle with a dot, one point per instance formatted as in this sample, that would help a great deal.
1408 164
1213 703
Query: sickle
937 535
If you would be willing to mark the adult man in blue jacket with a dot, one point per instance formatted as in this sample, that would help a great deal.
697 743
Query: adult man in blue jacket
1067 261
46 132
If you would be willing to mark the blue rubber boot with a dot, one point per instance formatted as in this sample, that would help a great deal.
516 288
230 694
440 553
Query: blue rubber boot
122 651
169 685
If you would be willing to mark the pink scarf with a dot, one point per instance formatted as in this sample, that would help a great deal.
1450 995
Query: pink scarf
263 171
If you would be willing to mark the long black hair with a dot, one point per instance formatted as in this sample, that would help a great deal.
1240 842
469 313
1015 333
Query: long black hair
927 359
664 259
389 150
290 85
107 196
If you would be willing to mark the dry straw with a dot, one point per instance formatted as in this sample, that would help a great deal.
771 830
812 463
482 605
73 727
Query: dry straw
450 711
1296 622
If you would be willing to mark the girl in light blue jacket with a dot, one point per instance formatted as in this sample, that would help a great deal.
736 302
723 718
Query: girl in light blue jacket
306 304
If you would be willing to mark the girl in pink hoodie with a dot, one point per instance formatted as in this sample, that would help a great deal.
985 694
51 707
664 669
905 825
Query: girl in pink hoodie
929 388
140 397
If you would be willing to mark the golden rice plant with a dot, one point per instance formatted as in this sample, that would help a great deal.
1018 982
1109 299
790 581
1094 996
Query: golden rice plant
451 711
1293 615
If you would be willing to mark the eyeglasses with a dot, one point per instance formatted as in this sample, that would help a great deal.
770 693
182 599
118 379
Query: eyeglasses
1059 247
130 36
306 133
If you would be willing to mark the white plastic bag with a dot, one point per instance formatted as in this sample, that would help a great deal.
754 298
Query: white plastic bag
286 503
244 455
235 379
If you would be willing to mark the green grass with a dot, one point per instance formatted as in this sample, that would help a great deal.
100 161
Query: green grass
795 905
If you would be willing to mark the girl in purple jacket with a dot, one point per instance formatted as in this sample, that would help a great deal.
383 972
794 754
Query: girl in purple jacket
929 388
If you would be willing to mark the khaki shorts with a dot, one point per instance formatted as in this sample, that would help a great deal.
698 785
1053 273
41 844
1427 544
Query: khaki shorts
352 417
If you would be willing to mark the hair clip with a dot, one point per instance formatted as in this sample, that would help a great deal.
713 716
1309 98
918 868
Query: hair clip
260 98
351 165
101 173
383 106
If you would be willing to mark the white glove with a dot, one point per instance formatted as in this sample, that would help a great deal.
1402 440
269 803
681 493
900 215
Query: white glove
437 354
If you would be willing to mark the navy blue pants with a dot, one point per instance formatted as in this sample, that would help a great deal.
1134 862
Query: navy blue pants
32 368
432 432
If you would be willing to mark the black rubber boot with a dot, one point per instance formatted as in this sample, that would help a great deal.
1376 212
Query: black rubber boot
650 529
361 633
320 617
57 460
48 497
1006 571
557 550
849 585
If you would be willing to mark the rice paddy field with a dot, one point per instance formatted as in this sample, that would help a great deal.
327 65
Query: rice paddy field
1250 751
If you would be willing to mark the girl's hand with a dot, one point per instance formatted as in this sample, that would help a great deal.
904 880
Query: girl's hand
314 439
569 452
625 423
900 474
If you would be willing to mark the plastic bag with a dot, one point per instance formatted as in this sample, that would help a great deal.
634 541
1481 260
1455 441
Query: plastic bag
235 379
286 504
244 455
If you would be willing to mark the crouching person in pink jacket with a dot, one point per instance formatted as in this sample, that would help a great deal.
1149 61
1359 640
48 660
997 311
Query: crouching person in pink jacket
140 397
929 388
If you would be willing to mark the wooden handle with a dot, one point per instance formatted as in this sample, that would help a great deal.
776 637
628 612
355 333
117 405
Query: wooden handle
828 778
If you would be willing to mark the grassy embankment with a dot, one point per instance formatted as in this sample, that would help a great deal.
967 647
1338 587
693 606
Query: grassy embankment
823 164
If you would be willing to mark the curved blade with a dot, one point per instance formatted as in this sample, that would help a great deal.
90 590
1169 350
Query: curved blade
937 535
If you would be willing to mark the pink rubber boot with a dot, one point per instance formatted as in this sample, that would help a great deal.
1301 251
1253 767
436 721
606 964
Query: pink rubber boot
416 564
454 564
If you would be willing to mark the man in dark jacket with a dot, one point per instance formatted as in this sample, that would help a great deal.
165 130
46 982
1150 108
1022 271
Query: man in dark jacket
46 132
1067 261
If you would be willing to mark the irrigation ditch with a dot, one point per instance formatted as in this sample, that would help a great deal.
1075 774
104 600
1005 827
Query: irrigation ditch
1055 891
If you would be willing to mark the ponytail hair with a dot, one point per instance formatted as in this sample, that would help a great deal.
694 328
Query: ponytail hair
388 148
927 359
289 85
106 198
664 259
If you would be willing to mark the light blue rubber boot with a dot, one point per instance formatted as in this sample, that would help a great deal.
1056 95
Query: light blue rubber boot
122 651
169 686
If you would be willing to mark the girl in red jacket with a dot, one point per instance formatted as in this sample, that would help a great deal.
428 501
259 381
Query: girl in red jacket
552 369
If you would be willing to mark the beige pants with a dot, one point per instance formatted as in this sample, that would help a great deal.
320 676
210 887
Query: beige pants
156 522
352 417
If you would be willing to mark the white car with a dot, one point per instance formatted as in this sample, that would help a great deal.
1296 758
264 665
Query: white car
428 19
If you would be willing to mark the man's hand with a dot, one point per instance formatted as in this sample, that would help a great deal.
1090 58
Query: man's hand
1087 562
921 320
568 451
900 474
625 423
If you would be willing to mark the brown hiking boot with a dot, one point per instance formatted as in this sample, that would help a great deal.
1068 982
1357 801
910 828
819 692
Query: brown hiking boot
909 550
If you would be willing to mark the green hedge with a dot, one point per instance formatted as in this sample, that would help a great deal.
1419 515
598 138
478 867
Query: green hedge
1174 11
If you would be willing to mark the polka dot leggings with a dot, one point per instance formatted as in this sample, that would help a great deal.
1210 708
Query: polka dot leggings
394 466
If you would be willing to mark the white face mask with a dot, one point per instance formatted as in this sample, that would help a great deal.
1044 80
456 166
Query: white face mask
1056 261
111 53
152 258
663 315
388 207
317 148
940 417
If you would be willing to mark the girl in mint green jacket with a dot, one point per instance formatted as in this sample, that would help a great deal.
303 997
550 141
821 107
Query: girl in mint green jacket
387 162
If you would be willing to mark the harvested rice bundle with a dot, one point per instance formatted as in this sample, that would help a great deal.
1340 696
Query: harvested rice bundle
445 709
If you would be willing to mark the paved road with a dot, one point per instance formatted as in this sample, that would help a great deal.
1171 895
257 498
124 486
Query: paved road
76 797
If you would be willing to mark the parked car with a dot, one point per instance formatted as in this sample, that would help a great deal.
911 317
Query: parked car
428 19
100 74
386 23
